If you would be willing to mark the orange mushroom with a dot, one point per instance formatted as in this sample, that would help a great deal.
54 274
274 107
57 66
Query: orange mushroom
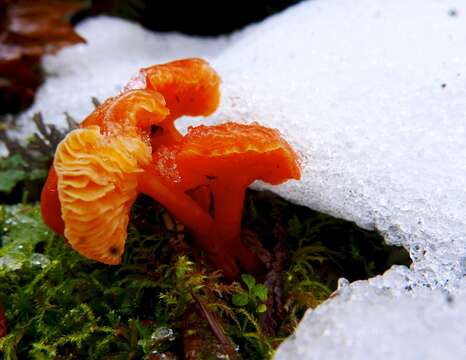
97 169
190 87
228 158
100 169
93 182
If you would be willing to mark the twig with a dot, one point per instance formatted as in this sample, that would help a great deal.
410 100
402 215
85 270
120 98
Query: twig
216 328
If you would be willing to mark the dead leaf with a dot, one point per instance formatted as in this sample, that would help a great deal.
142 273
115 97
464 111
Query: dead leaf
28 30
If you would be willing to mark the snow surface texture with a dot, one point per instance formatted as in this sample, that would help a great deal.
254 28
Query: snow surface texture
372 93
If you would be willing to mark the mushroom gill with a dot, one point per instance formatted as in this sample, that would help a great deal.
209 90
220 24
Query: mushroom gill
97 185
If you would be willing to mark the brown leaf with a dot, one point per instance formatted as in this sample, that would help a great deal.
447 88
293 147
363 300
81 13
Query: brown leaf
37 27
28 30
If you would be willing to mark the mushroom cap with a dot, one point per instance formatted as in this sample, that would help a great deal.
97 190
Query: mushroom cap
235 152
97 167
97 185
130 113
190 86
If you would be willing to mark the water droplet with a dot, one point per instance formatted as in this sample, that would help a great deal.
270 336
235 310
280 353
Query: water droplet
39 260
155 355
10 263
342 283
162 334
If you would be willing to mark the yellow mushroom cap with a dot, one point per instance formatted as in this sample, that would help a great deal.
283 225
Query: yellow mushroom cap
97 167
97 185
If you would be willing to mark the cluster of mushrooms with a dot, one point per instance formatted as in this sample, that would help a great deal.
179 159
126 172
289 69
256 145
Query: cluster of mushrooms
129 145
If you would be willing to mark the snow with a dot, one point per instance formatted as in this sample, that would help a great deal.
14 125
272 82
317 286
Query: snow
374 322
372 93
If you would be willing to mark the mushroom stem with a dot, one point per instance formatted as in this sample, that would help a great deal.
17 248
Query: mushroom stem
167 134
178 203
228 205
187 211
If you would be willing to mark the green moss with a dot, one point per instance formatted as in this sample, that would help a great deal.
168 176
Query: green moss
65 306
60 305
164 297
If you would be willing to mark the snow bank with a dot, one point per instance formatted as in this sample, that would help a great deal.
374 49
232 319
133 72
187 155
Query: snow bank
372 93
380 322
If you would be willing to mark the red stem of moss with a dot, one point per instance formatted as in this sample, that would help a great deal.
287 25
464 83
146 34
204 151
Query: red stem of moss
3 323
